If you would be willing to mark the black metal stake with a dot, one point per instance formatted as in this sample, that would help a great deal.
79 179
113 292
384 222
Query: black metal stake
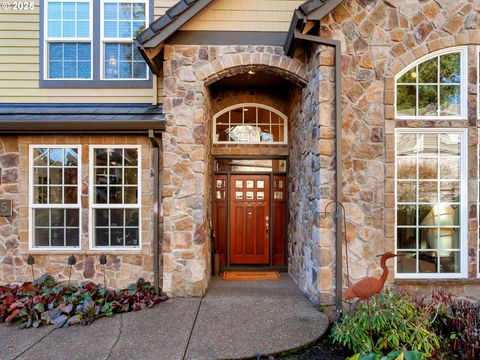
103 261
31 262
71 261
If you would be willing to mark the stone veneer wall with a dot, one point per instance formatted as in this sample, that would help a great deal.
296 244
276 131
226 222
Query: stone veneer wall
188 70
379 39
122 268
312 181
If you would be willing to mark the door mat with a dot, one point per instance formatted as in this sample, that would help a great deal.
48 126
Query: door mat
251 275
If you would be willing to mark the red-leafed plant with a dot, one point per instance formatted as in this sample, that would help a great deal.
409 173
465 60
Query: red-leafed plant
46 302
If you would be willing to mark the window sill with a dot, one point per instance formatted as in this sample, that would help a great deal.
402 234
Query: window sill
456 281
85 252
96 84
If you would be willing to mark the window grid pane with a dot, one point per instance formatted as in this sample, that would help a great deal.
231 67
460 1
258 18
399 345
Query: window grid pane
116 201
69 61
431 88
55 185
68 19
428 192
250 124
123 61
123 19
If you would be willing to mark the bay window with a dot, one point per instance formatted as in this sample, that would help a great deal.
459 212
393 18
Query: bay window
54 197
431 210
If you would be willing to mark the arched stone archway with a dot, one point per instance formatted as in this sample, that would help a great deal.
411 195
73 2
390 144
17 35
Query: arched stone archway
234 64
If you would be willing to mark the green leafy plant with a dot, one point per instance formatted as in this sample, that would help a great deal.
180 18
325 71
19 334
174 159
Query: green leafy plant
389 323
46 302
393 355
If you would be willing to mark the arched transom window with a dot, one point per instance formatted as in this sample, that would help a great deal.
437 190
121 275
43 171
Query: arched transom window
433 87
250 124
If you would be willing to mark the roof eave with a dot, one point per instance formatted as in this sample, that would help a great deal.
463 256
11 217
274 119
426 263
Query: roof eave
159 37
150 42
320 12
81 126
312 10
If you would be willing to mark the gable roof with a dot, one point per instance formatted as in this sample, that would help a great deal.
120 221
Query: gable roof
150 41
167 24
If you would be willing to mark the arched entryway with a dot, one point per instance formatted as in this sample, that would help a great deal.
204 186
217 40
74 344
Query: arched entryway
201 83
250 148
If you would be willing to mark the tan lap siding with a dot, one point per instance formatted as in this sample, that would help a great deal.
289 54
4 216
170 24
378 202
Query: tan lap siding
19 67
246 15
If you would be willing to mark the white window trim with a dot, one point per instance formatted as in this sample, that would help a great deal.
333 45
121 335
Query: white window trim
477 197
47 40
463 205
256 105
463 85
104 40
92 205
32 206
477 65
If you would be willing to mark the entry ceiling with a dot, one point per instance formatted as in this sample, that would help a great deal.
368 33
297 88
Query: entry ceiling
257 80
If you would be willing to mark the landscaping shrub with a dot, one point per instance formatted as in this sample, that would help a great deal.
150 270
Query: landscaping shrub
458 321
405 326
46 302
390 323
465 325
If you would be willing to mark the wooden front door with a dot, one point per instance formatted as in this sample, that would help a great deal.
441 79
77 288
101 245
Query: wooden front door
249 219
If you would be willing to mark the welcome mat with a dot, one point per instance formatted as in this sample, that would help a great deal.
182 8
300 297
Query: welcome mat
251 275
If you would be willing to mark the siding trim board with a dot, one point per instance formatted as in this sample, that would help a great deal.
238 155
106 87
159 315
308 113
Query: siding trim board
97 62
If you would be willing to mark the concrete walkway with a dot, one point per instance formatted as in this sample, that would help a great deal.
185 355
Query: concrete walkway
236 319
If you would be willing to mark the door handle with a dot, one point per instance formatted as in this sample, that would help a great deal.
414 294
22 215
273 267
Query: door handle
267 224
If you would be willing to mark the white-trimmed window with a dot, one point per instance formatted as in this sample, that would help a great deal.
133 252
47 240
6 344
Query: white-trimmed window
478 206
478 86
434 87
250 124
115 201
54 196
121 21
431 203
68 39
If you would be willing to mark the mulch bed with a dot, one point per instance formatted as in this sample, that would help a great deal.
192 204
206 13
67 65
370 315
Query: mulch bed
323 349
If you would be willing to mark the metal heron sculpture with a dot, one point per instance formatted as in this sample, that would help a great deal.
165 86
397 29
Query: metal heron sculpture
365 288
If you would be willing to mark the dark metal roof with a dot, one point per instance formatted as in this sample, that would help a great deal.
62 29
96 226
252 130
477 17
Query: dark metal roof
170 22
64 118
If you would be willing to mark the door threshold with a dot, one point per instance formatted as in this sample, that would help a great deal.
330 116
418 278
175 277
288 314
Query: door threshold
281 269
